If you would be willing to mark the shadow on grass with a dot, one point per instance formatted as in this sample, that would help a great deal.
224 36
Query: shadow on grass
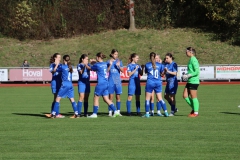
30 114
230 113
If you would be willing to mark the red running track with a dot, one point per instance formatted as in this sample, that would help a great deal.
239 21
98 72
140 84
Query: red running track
124 84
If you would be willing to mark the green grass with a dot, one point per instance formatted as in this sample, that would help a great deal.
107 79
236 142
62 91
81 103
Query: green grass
12 52
26 134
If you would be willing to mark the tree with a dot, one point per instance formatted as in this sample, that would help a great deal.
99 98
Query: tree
132 14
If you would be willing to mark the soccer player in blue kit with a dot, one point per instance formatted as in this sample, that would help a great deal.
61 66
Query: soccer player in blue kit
83 83
66 89
115 66
171 70
56 80
134 70
101 88
154 70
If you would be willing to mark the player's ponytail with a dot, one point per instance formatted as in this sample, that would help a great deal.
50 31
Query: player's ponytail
83 56
67 59
52 59
101 55
133 55
152 58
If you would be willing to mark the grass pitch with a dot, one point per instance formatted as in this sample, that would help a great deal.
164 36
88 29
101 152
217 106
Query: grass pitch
26 134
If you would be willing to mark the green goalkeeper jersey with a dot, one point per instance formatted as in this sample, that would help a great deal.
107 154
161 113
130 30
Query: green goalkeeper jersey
193 69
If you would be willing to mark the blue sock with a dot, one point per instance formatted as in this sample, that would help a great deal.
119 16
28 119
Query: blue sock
138 106
74 106
109 109
118 105
56 107
163 104
128 104
95 109
147 106
52 106
112 107
79 107
85 108
173 107
159 106
152 106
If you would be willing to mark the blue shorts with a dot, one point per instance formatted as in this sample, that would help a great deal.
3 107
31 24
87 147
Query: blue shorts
55 86
66 90
101 89
117 88
153 85
134 87
83 87
171 87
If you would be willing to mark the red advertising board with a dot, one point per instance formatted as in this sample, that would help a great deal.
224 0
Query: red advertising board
30 75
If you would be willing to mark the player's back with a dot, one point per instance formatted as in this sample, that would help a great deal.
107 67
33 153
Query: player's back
101 70
154 74
66 75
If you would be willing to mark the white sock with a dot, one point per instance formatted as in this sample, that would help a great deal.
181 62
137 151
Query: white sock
152 111
158 112
147 112
110 112
195 112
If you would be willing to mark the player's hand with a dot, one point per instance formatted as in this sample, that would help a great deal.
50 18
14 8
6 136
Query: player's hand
137 67
186 76
165 70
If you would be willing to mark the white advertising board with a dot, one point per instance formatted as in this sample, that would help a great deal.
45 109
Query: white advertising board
206 72
3 75
228 72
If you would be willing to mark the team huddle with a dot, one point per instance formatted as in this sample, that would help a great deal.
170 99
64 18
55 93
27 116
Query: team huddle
109 82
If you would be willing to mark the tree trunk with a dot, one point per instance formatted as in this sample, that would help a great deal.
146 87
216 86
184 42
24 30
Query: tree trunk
132 20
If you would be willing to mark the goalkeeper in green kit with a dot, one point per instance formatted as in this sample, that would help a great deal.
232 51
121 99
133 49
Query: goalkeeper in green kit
192 78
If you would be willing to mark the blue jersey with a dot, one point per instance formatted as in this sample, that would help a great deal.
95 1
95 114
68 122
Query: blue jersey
173 68
154 74
114 72
56 75
85 76
101 70
131 67
66 75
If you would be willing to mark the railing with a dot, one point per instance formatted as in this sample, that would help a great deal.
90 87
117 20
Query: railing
209 72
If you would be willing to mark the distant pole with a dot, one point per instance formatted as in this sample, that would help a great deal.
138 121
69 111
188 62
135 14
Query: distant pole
132 14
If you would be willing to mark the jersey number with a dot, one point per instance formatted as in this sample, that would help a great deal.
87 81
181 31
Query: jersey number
155 73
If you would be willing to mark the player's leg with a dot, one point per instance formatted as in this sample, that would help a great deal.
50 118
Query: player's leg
186 93
81 89
129 104
131 91
137 97
147 104
86 104
158 91
70 95
195 102
95 106
111 94
111 105
109 109
118 91
152 104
